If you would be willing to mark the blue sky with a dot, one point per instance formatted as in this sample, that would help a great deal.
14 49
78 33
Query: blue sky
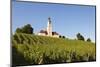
67 20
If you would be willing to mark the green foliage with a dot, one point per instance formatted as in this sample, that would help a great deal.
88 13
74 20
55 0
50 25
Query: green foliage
62 36
32 49
89 40
80 37
18 57
26 29
18 30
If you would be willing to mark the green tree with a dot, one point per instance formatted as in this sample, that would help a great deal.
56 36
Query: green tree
80 37
89 40
18 30
60 36
26 29
63 36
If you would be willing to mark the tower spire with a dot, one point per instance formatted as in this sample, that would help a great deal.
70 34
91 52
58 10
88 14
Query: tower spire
49 19
49 27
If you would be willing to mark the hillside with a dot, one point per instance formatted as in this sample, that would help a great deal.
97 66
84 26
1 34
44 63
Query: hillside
31 49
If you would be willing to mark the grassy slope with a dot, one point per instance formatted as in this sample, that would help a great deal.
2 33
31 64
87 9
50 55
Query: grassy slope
43 50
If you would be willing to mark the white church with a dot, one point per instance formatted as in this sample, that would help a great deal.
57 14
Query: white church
48 31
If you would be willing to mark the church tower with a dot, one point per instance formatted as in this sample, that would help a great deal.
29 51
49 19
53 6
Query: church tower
49 27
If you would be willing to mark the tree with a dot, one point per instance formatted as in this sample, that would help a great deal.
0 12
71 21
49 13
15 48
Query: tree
60 36
63 36
89 40
18 30
80 37
26 29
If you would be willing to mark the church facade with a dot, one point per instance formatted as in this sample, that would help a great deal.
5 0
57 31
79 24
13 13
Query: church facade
48 31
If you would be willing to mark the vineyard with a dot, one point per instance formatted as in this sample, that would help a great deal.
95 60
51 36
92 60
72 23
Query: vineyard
29 49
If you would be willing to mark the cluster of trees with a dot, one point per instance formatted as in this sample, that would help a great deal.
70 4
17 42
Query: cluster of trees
62 36
80 37
25 29
29 30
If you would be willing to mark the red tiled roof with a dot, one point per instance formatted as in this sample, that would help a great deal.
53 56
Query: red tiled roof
55 33
43 31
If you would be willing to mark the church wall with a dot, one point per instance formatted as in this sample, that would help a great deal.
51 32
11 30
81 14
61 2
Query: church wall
43 34
56 36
